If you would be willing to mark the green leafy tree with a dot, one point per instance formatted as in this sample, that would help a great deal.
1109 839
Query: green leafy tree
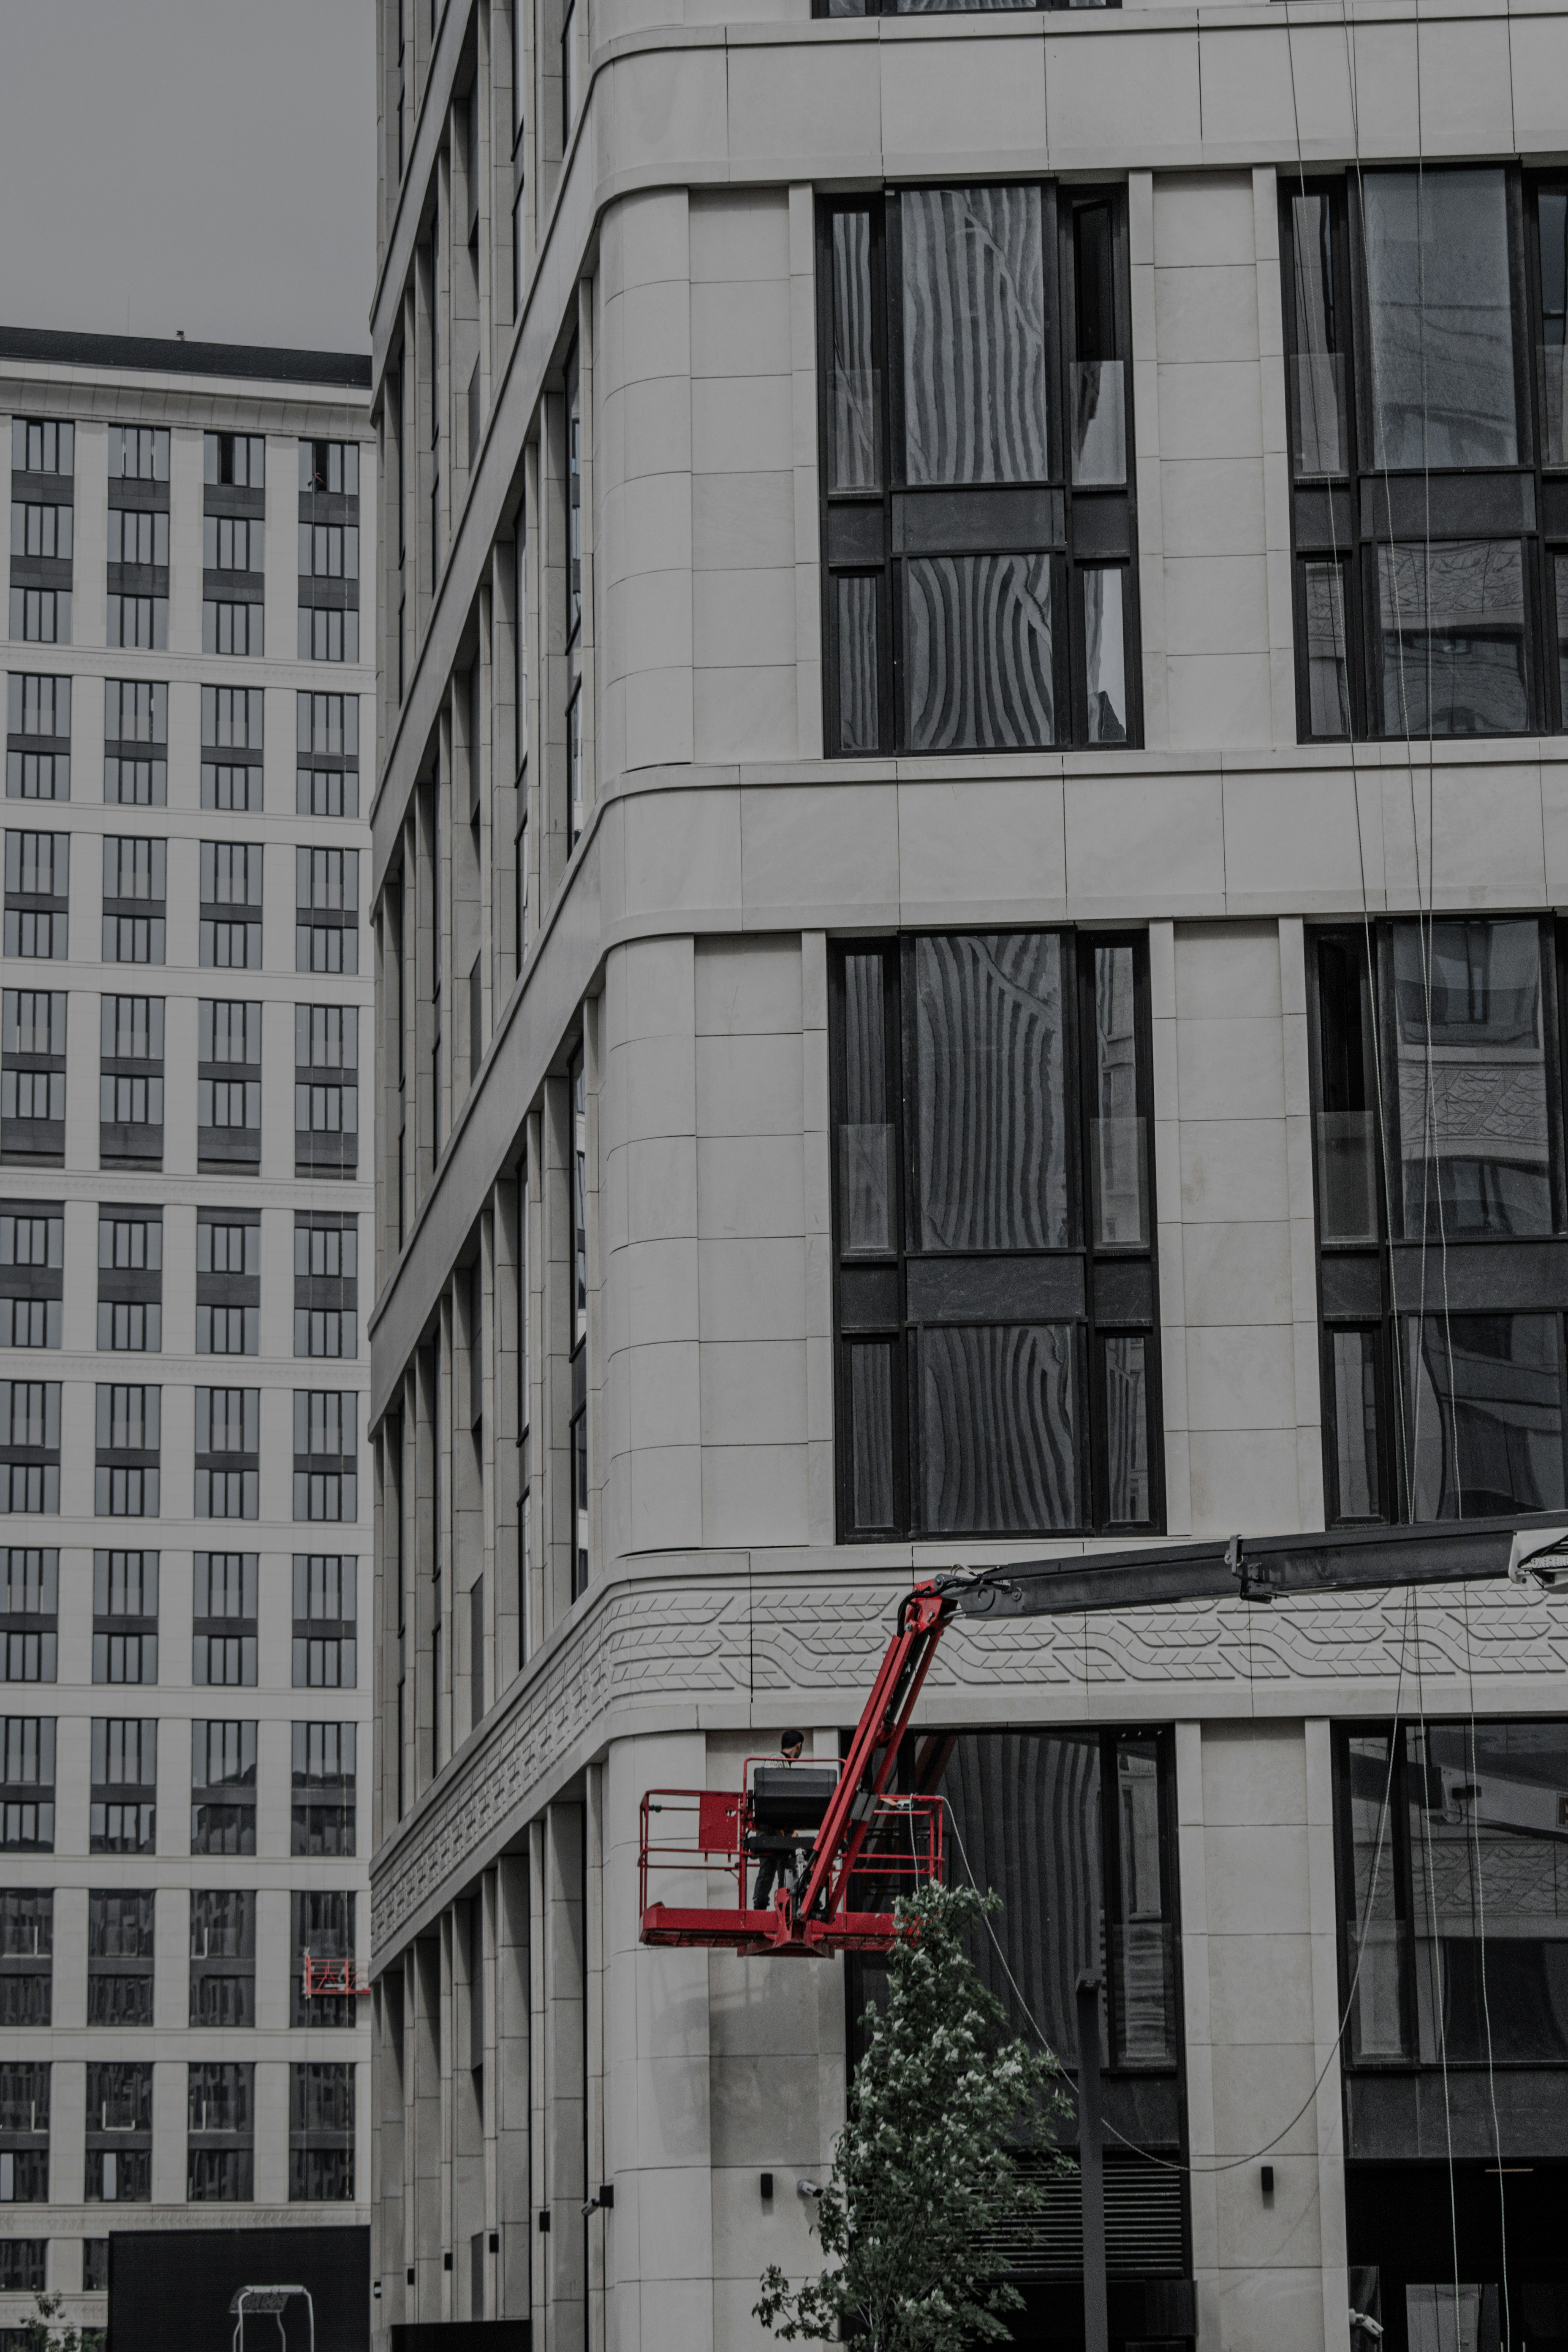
47 2332
926 2167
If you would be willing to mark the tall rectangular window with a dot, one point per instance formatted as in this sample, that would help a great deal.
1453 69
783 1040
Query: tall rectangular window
26 1956
326 898
24 2152
30 1445
326 1457
232 727
1425 318
32 1076
324 1788
998 1333
130 1081
38 737
128 1419
322 2131
324 1621
327 754
976 423
38 894
32 1274
322 1928
135 899
1451 1936
228 1282
125 1616
136 742
326 1089
1438 1113
231 905
326 1283
119 2170
234 553
123 1813
228 1087
137 537
27 1784
130 1281
220 2133
228 1453
29 1612
43 509
223 1787
328 551
138 610
224 1618
223 1956
119 1955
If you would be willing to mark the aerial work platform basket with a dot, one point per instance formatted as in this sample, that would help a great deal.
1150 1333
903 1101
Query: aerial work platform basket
779 1810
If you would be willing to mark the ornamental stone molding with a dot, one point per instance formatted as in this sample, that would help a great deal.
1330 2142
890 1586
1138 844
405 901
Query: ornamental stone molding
670 1646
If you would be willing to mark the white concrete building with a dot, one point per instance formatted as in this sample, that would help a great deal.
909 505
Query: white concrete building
967 866
182 1191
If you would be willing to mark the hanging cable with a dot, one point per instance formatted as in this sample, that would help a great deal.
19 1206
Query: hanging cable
1231 2164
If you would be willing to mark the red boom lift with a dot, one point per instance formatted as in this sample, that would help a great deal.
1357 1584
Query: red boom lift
869 1842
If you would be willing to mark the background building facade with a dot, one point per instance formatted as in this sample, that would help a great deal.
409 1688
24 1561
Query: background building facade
966 863
184 1547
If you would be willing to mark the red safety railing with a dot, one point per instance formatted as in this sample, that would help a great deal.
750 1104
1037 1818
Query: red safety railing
899 1848
332 1976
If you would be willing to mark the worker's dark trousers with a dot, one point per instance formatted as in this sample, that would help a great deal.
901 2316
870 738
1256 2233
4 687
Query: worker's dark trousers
770 1870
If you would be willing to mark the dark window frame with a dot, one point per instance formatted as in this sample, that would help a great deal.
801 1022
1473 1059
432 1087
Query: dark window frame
900 1330
125 1627
1357 1280
1342 515
866 540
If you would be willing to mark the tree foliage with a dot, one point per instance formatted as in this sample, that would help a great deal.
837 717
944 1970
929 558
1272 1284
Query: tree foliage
47 2332
926 2167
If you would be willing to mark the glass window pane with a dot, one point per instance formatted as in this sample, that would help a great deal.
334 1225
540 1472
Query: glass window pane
855 397
1026 1806
1559 585
1143 2008
1554 219
1118 1155
1357 1484
991 1085
1491 1937
1441 318
978 646
1474 1129
859 693
1377 1933
1099 422
866 1133
1318 437
1484 1415
1451 617
1125 1403
973 335
1328 674
1105 655
871 1434
1448 2318
999 1420
1347 1165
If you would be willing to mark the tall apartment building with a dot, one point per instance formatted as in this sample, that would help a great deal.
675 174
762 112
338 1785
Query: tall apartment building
184 1520
966 882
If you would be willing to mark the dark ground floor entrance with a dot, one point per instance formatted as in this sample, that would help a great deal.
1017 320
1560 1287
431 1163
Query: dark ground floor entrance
1471 2259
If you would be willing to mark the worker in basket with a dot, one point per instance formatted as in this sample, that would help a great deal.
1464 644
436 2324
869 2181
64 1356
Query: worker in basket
781 1850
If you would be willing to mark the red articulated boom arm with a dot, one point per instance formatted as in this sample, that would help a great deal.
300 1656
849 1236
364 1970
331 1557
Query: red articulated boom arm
871 1841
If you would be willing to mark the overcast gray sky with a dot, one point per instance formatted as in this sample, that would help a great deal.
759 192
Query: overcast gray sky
207 164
